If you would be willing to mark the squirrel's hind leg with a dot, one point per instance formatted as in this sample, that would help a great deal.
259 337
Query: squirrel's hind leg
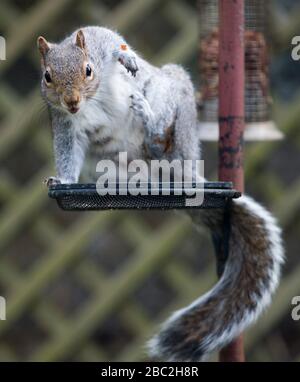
159 126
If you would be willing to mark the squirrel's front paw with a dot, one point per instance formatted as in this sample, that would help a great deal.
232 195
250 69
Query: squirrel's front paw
128 60
141 108
51 181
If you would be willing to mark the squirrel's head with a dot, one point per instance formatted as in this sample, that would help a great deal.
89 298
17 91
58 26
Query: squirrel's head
68 75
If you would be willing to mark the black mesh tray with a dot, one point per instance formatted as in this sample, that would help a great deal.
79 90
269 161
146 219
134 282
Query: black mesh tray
84 197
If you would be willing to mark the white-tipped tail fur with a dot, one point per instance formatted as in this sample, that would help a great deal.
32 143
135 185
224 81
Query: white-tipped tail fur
250 278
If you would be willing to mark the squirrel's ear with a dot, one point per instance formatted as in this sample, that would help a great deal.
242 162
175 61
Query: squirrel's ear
80 40
43 45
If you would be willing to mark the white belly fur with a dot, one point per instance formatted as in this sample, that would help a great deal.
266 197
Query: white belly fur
109 118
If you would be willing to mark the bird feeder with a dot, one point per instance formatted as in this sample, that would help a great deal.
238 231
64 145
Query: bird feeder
84 197
258 102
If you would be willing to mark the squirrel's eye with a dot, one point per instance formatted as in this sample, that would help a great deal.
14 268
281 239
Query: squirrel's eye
48 77
88 70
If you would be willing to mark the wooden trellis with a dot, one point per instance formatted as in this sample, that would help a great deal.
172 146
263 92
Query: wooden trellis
72 293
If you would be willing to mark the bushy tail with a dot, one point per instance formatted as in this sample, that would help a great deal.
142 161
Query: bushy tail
250 277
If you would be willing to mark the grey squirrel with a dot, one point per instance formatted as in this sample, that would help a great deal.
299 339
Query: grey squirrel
104 98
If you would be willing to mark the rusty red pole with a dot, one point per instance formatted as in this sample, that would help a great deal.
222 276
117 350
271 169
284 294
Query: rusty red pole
232 115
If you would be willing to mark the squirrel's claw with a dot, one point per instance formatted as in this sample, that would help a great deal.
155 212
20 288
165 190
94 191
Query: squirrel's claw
140 105
51 181
130 64
142 109
128 60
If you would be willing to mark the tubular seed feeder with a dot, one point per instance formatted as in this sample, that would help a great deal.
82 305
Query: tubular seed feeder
227 85
259 126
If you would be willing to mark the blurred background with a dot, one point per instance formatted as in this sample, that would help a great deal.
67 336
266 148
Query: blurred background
95 286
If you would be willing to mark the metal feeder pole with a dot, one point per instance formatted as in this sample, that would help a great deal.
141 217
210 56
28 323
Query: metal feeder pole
232 115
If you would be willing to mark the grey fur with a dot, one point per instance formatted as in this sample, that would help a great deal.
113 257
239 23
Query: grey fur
155 108
153 112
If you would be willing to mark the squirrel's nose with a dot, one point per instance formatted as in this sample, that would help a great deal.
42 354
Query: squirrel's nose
72 102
